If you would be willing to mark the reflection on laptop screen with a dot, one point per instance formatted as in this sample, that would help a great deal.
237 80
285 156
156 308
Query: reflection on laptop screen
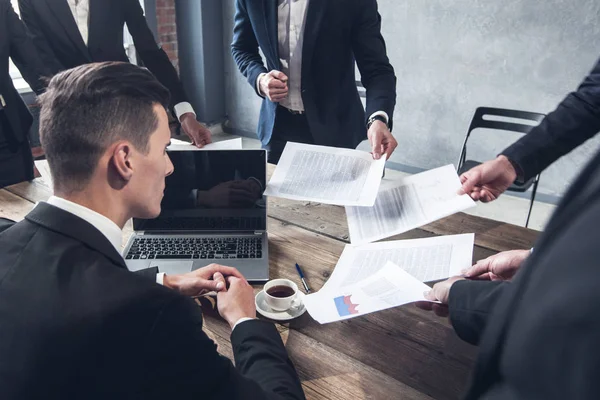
219 190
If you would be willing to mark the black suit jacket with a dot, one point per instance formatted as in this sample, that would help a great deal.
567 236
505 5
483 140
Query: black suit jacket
15 44
575 120
337 33
538 335
76 324
57 38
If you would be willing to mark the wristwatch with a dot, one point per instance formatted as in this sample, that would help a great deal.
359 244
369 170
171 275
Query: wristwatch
377 118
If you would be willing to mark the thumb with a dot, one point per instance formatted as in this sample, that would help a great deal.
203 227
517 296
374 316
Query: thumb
469 180
480 268
376 145
279 75
219 282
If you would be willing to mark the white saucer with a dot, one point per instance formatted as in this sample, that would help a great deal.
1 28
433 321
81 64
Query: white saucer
263 308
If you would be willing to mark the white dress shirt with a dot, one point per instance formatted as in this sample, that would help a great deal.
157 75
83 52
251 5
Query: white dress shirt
81 12
291 22
107 227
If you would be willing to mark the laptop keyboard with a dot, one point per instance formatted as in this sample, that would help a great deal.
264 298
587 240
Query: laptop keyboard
194 248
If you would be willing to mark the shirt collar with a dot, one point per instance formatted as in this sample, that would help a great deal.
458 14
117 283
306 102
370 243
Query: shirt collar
107 227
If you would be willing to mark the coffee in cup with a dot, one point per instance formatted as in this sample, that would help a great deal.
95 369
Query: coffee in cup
282 294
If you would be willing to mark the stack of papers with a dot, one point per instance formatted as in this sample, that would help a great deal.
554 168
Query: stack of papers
407 204
382 275
326 175
389 287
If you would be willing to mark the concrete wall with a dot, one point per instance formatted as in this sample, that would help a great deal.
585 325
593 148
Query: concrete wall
452 56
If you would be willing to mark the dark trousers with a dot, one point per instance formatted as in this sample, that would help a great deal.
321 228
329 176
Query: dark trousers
16 161
288 128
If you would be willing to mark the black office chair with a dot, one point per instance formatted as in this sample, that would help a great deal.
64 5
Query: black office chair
478 121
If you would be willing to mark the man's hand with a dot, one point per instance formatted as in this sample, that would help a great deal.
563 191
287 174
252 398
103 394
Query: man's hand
441 290
381 139
237 301
499 267
201 281
486 182
274 86
198 133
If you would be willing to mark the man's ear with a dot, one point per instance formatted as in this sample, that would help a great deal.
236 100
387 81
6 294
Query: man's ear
122 160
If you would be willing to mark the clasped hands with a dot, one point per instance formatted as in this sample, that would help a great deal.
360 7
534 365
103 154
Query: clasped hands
235 296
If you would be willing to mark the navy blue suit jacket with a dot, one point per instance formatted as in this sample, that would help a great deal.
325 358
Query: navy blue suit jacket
337 32
575 120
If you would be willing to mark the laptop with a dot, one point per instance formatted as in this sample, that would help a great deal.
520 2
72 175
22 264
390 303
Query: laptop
213 211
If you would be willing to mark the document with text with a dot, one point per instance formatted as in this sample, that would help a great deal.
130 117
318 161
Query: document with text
326 175
407 204
427 260
231 144
389 287
44 170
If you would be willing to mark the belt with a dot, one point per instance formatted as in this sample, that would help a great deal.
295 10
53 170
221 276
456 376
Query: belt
295 112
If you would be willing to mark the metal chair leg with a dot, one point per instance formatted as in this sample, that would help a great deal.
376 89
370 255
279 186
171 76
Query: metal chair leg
533 193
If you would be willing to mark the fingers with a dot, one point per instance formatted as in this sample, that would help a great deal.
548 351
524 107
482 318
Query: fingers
279 75
220 284
376 144
224 270
278 98
480 268
390 146
430 295
470 180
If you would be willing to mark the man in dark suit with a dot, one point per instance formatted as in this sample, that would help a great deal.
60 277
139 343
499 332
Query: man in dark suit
538 335
68 33
308 84
16 161
75 322
575 120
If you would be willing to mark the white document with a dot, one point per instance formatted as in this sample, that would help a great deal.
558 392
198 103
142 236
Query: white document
44 170
326 175
427 259
231 144
390 287
407 204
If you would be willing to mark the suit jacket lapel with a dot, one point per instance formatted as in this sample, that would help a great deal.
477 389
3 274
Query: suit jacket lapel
269 10
62 12
314 18
70 225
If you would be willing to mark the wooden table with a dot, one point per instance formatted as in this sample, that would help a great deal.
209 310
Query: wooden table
401 353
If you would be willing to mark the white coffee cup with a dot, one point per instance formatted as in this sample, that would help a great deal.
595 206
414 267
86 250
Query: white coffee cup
280 303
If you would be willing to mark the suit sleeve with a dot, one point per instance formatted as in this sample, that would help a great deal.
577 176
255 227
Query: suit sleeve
149 273
24 54
153 56
6 223
183 360
244 47
470 304
377 74
575 120
30 19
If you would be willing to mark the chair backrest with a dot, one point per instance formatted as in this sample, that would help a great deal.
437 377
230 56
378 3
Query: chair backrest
479 121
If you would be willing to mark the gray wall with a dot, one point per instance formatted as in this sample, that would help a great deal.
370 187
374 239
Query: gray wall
452 56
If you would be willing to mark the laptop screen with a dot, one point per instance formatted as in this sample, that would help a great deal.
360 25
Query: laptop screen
211 191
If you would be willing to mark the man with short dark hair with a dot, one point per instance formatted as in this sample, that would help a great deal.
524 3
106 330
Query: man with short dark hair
75 322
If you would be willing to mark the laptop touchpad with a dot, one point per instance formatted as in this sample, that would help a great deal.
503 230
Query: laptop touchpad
174 267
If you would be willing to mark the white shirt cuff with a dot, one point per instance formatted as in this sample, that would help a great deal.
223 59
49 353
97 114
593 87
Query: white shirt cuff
383 114
183 108
240 321
258 84
160 278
